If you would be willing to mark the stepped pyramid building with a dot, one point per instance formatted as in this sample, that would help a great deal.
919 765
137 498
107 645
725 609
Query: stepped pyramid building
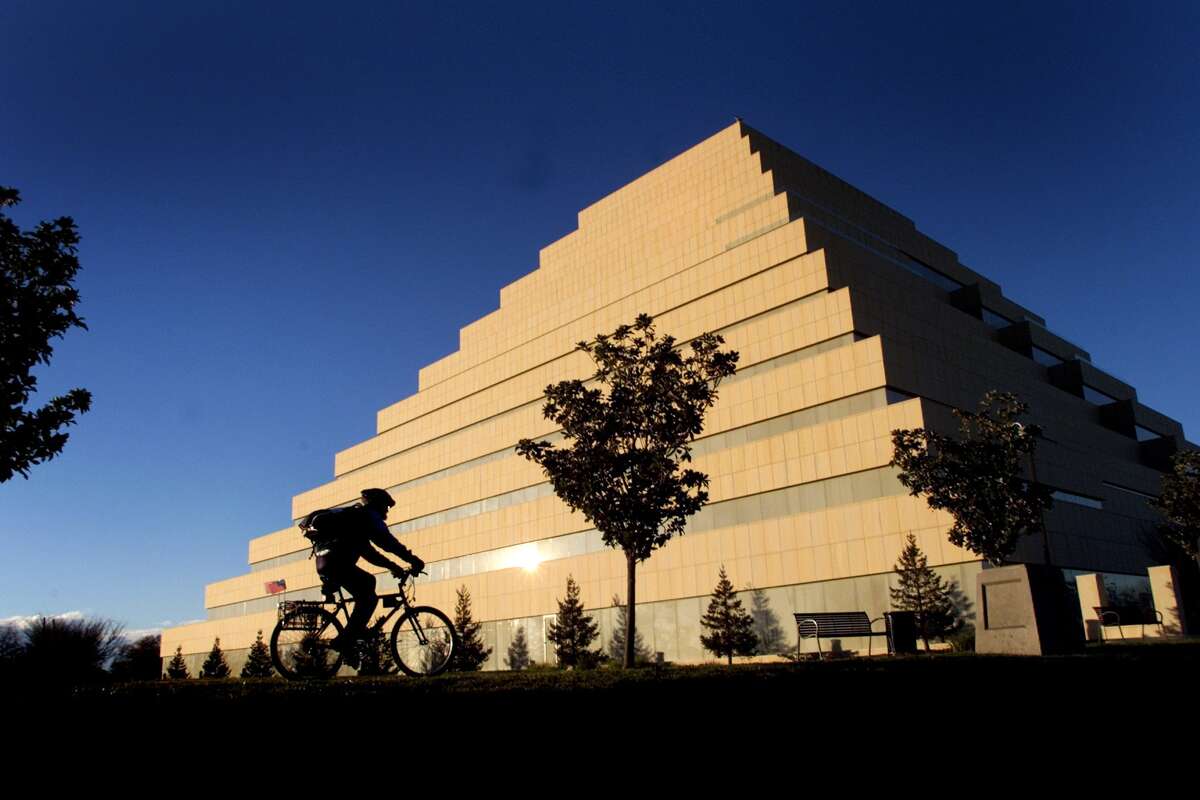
850 323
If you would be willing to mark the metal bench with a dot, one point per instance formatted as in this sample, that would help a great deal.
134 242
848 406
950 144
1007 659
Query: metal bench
836 625
1117 616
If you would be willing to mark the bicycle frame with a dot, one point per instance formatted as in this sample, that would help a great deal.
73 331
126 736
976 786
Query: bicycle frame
394 600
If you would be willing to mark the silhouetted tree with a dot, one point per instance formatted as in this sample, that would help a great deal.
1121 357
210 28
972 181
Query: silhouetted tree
922 591
215 666
310 657
37 274
258 662
616 645
177 668
376 653
12 645
1180 502
977 476
435 654
68 651
572 632
623 469
140 660
518 651
731 628
771 639
471 654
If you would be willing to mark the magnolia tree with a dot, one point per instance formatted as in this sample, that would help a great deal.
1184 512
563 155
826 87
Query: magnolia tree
978 476
1180 502
37 304
629 432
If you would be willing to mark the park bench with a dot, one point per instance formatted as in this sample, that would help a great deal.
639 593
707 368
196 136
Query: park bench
1117 616
836 625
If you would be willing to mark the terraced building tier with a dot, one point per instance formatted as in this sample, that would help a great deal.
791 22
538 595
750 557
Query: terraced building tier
850 323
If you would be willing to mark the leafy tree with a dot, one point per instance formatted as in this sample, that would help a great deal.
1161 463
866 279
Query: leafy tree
37 270
572 632
139 660
471 655
731 628
616 645
922 591
177 669
771 639
518 651
215 666
977 476
623 469
258 662
1180 502
376 653
68 650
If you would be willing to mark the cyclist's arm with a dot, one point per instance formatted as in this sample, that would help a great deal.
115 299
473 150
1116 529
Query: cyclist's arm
382 538
373 556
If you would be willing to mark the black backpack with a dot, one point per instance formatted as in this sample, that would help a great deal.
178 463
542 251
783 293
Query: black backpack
327 527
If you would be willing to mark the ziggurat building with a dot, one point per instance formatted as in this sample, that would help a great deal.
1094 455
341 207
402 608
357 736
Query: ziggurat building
850 323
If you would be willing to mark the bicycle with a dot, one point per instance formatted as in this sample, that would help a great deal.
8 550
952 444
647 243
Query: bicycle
422 643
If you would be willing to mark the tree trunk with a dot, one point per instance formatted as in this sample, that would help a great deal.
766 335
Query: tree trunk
630 597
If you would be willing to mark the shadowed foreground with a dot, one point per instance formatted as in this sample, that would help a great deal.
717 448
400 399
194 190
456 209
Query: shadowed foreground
1112 671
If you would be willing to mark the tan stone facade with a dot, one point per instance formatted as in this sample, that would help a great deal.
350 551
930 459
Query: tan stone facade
850 323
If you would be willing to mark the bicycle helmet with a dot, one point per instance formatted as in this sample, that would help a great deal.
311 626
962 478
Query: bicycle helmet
377 497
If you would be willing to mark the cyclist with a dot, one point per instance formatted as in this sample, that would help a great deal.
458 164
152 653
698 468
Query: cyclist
336 564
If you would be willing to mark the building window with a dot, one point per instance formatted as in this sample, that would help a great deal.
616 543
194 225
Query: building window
1045 358
1127 490
995 320
1145 434
1077 499
1096 396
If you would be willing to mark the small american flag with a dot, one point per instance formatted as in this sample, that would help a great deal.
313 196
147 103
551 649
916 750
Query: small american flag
275 587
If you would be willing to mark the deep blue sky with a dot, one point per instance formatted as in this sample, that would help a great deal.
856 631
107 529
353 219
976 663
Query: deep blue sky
289 208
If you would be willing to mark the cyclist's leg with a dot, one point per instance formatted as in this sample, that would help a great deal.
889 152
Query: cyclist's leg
361 585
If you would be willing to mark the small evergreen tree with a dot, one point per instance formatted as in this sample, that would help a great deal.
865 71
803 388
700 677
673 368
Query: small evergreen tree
573 631
732 629
616 645
215 666
922 591
310 658
258 663
435 654
177 670
518 651
471 653
771 639
376 653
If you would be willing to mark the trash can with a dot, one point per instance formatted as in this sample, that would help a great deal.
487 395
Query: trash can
901 632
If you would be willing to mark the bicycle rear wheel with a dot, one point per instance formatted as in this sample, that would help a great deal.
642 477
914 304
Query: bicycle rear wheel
423 642
301 643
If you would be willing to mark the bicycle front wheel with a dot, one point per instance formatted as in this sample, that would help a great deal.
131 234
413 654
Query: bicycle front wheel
423 642
301 644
